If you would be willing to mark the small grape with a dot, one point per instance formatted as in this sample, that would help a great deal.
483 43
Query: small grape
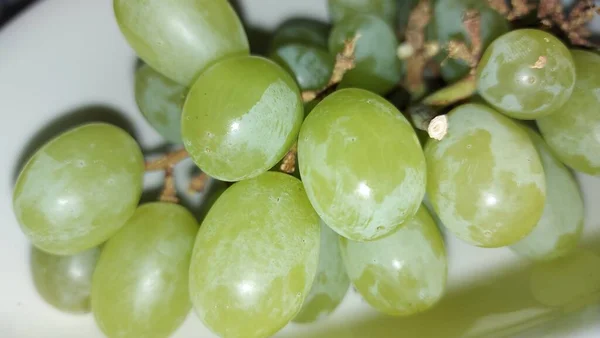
79 188
140 286
485 180
401 274
387 10
361 164
311 66
240 117
526 74
304 31
255 257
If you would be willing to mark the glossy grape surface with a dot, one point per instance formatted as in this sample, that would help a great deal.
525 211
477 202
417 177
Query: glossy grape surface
526 74
573 132
331 282
310 66
403 273
181 38
140 287
65 282
79 188
558 231
160 100
240 118
255 257
341 9
485 179
305 31
361 164
377 66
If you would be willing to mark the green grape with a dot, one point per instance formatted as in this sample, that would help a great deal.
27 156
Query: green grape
331 281
403 273
446 24
485 179
78 189
572 131
140 286
377 66
311 66
181 38
526 74
361 164
339 10
304 31
65 282
160 100
255 257
233 130
559 230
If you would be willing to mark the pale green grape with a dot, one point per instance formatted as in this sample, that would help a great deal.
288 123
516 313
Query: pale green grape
526 74
181 38
240 117
403 273
305 31
160 100
65 282
377 66
341 9
558 231
361 164
255 257
485 179
79 188
573 132
331 282
140 286
311 66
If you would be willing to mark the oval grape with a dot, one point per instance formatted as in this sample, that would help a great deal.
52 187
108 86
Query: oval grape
304 31
361 164
78 189
311 66
341 9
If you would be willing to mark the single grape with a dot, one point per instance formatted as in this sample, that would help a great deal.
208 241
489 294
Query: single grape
559 230
361 164
240 117
140 286
377 66
485 180
304 31
339 10
160 100
79 188
403 273
64 282
255 257
526 74
446 24
331 282
311 66
181 38
573 132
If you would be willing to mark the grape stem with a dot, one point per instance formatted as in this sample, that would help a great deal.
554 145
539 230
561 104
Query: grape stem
459 50
198 183
520 8
551 13
288 165
167 160
167 163
416 51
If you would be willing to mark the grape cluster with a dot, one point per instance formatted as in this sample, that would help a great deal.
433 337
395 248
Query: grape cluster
331 180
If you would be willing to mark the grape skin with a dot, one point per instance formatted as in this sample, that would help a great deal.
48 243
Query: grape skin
303 31
311 66
341 9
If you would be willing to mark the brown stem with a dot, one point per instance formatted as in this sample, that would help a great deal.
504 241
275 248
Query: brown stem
520 8
418 57
198 183
458 50
551 13
167 164
169 193
288 165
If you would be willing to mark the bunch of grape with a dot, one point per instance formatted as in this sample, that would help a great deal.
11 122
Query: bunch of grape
290 233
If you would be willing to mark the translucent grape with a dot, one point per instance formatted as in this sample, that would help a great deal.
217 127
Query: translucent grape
573 132
240 118
341 9
181 38
160 100
255 257
311 66
304 31
377 66
403 273
78 189
65 282
485 179
361 164
140 286
558 231
331 282
526 74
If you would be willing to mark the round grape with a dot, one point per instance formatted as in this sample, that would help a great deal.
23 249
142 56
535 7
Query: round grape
311 66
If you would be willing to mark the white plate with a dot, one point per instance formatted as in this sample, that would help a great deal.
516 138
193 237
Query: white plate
63 62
